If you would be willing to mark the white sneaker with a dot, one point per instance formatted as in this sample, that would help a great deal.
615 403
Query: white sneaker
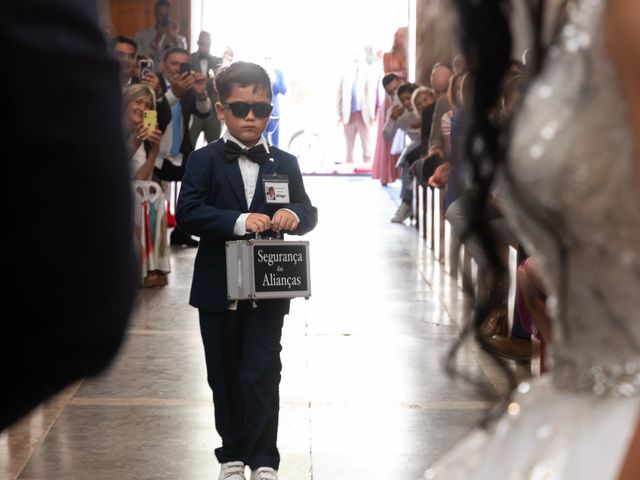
232 471
403 212
264 473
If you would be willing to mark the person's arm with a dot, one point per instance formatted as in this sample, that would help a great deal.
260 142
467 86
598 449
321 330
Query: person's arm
391 125
386 62
158 40
436 143
623 43
193 214
414 125
339 101
203 102
440 175
146 169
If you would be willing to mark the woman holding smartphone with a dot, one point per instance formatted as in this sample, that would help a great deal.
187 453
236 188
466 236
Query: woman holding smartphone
143 140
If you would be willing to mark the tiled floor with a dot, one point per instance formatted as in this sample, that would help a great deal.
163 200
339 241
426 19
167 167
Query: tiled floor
364 394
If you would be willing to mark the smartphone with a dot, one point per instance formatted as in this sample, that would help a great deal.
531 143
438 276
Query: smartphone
185 67
146 66
150 119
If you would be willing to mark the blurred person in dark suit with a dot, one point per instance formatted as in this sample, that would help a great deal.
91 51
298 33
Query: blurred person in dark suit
70 210
202 61
162 35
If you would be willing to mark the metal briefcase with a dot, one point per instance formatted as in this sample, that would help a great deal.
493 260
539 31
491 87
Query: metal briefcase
264 269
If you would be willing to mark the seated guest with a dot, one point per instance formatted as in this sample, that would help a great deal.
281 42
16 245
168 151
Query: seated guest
424 103
435 156
150 228
404 119
532 298
460 212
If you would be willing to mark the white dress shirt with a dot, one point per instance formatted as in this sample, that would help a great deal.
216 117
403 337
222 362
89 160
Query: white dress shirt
249 171
203 106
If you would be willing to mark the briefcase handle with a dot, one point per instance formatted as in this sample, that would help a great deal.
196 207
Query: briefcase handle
258 236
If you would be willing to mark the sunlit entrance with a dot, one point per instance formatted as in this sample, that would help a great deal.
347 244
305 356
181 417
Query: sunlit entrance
311 43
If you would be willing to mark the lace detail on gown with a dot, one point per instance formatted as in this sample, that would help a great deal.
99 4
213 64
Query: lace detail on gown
572 196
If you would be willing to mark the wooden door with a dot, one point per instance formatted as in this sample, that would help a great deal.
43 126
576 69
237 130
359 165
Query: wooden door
130 16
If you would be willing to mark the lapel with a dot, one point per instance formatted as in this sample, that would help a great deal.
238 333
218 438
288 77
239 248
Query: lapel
266 168
163 84
232 172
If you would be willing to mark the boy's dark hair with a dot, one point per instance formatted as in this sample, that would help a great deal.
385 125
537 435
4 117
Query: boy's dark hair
407 88
162 3
242 74
388 78
173 50
122 39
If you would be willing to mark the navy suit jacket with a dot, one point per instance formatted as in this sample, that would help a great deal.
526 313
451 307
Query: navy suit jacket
210 201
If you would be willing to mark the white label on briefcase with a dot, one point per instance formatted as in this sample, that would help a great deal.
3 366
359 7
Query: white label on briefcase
280 268
267 269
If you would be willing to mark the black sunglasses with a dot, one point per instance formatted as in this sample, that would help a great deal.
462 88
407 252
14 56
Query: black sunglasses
241 109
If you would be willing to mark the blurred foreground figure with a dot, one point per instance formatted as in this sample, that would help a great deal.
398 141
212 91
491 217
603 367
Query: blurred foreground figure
68 264
570 187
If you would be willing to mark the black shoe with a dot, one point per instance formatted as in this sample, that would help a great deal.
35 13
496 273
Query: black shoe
180 238
513 348
191 242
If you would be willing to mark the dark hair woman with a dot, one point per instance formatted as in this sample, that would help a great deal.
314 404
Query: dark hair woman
568 171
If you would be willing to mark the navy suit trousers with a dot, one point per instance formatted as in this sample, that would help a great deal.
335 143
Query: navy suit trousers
242 350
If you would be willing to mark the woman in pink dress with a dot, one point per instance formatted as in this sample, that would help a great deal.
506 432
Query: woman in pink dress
395 61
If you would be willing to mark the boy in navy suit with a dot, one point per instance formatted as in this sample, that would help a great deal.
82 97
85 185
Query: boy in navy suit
223 198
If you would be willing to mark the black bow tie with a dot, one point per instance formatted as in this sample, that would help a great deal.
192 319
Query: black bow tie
233 151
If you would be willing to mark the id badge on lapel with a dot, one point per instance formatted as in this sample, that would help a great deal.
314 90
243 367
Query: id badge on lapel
276 189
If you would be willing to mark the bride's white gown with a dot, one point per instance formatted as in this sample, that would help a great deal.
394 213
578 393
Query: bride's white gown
574 201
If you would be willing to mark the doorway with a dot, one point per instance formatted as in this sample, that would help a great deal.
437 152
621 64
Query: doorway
311 43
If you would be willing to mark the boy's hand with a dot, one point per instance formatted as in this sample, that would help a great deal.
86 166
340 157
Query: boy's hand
284 220
257 222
